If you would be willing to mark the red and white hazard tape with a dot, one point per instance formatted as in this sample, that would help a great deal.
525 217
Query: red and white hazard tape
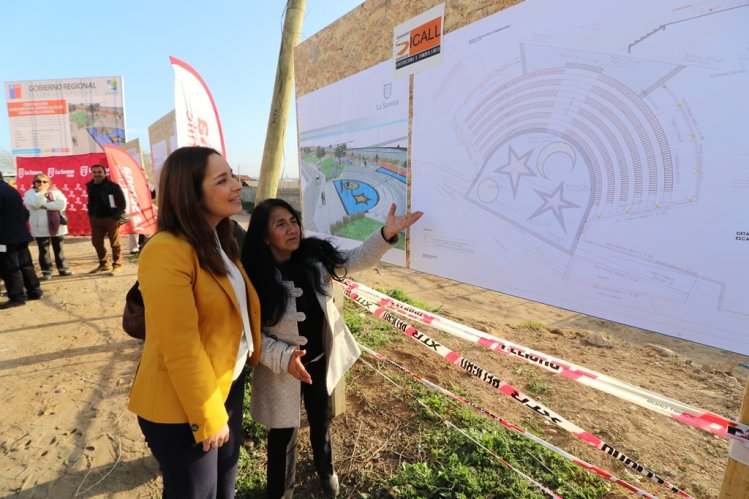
605 474
547 492
507 389
685 413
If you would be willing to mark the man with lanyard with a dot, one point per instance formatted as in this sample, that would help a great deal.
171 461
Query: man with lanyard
106 205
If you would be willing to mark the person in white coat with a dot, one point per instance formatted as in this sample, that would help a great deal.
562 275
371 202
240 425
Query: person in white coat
306 346
46 203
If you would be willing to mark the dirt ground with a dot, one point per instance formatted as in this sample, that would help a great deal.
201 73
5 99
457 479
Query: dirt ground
66 368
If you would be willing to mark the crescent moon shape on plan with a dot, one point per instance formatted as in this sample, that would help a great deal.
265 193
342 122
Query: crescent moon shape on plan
554 148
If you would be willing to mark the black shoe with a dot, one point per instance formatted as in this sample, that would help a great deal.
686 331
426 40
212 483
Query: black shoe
65 273
11 304
37 295
330 485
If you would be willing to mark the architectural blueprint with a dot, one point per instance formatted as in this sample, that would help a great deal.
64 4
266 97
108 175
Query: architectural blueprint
593 155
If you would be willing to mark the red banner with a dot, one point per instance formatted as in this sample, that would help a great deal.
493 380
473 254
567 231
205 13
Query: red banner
196 116
124 170
69 174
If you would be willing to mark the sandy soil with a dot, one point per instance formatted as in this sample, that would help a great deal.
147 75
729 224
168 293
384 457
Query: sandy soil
66 369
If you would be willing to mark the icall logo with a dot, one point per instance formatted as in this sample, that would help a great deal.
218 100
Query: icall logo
419 39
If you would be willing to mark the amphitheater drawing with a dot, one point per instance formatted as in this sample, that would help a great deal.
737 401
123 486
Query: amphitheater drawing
592 161
579 140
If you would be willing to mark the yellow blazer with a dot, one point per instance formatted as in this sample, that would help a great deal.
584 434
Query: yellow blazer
193 326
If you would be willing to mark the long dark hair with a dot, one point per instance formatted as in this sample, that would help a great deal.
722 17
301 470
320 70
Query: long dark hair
261 266
181 207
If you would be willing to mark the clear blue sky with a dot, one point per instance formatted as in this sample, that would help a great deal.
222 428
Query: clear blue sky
233 44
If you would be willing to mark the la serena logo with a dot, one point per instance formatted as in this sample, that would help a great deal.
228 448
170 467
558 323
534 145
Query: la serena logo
53 171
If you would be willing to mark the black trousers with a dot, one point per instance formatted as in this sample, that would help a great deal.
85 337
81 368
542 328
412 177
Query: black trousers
281 473
188 471
17 270
58 248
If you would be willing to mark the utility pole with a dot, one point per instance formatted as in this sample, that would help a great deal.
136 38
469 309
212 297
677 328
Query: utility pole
270 168
736 478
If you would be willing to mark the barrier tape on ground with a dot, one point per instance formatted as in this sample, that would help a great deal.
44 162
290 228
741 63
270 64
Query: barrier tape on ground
488 414
547 492
507 389
685 413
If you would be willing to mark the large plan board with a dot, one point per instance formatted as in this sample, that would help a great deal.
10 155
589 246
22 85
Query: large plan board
593 155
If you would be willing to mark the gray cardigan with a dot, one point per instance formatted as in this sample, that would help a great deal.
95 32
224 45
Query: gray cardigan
276 400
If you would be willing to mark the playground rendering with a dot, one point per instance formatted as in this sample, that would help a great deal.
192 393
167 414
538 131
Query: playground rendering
348 192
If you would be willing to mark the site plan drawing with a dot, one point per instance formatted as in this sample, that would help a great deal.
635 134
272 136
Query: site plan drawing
353 157
592 155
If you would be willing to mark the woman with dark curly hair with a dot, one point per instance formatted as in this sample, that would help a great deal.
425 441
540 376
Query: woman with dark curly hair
306 346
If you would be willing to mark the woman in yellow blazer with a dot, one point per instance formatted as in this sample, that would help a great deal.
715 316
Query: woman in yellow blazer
202 326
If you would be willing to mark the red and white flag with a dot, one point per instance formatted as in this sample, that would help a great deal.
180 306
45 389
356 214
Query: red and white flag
197 118
124 170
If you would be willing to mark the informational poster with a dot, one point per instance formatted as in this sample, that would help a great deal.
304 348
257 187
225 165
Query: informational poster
592 155
68 116
159 154
353 157
162 135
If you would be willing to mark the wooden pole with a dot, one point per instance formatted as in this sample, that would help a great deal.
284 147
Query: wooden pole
270 168
736 480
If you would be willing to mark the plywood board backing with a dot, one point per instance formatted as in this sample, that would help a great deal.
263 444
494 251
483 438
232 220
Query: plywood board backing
364 36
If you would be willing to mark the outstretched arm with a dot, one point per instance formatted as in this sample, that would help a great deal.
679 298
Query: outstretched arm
371 250
397 223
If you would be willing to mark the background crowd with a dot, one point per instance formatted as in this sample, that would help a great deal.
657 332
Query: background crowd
40 216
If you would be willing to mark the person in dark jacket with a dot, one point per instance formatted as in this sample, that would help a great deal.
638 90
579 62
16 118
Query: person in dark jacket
306 346
16 265
106 204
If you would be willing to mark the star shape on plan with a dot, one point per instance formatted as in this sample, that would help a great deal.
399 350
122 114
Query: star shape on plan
516 167
361 199
555 203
